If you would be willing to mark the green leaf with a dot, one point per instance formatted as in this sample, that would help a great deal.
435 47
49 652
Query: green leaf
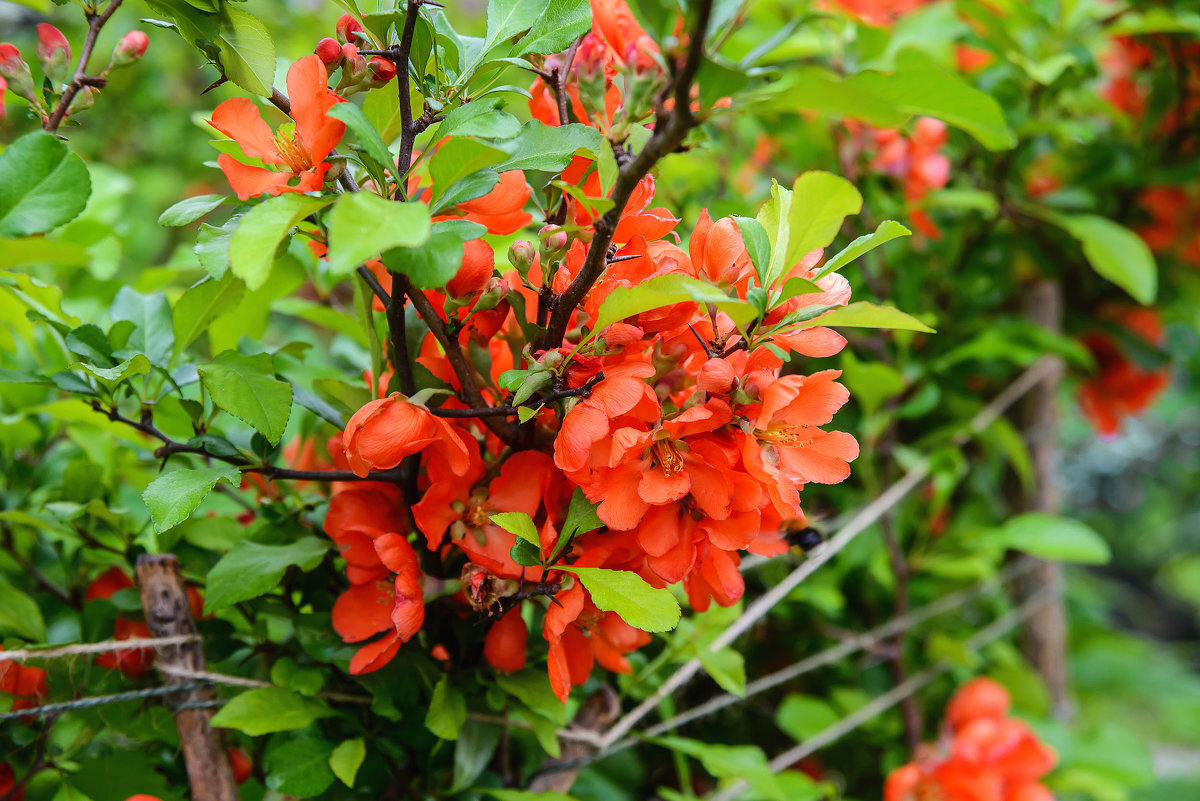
372 145
457 159
1051 537
246 387
42 185
173 496
745 762
251 569
261 231
299 768
525 554
212 245
560 24
20 614
532 688
626 593
821 201
111 376
667 290
758 245
39 250
726 667
363 225
447 710
1114 252
346 760
480 118
268 710
432 265
154 334
550 148
802 716
520 524
476 744
190 209
581 517
202 304
247 52
886 232
867 315
888 100
506 18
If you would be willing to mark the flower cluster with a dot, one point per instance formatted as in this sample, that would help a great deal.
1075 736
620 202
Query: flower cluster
674 426
1128 67
1121 387
984 755
916 160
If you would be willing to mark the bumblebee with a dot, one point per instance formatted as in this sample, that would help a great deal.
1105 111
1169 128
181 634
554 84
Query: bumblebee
799 534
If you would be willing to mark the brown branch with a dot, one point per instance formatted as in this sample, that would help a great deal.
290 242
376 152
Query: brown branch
408 131
671 127
458 360
81 78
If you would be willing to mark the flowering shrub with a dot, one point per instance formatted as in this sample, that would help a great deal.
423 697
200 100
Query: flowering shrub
482 370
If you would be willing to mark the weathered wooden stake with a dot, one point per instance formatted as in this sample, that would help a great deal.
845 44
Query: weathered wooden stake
168 614
1044 636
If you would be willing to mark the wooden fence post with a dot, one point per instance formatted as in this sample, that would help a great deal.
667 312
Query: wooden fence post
1044 636
168 614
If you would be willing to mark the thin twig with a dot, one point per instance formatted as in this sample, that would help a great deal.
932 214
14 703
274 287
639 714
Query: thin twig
81 78
671 127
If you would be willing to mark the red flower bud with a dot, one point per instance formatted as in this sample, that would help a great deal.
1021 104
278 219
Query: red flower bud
3 89
130 49
243 768
16 72
330 52
52 45
504 645
381 70
347 26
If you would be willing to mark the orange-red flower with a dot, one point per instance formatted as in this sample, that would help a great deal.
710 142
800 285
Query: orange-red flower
298 149
1122 388
502 210
386 430
133 662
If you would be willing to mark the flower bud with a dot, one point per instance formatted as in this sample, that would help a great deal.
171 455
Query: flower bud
354 71
553 359
330 53
521 255
3 89
554 239
16 72
85 98
130 49
53 53
716 377
347 27
381 70
494 291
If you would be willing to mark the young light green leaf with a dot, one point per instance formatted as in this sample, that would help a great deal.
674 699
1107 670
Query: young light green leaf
626 593
821 201
363 225
1051 537
867 315
667 290
42 185
506 18
1114 252
154 334
886 232
261 230
246 387
202 304
550 148
111 376
346 759
268 710
561 23
757 244
372 145
774 218
251 569
581 517
447 710
520 524
173 496
190 209
20 614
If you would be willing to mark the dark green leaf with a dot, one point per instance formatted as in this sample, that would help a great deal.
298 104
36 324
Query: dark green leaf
251 569
246 387
268 710
173 496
